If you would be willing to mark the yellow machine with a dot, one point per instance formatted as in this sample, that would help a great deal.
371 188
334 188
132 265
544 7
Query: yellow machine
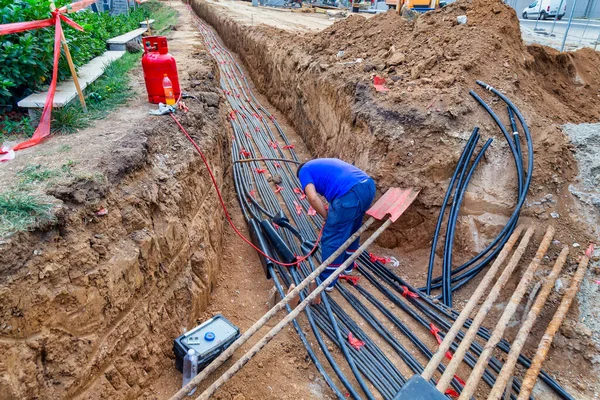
417 5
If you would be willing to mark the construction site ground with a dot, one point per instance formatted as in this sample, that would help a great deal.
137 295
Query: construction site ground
90 304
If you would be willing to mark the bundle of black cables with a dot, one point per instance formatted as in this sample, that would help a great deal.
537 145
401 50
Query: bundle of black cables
454 278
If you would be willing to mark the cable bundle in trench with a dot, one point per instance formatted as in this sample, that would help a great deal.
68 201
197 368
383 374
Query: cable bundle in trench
454 278
282 227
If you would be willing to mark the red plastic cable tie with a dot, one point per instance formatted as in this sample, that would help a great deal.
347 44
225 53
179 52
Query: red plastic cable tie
289 146
590 251
297 191
248 135
232 115
350 279
408 293
298 208
260 171
375 258
436 332
276 164
272 118
278 188
273 145
253 193
459 380
277 228
311 211
244 153
451 392
354 342
303 196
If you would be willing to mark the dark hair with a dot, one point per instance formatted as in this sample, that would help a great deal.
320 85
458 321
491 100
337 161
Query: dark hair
298 169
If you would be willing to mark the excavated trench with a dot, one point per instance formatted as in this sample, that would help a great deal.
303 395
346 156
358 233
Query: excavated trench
400 146
89 306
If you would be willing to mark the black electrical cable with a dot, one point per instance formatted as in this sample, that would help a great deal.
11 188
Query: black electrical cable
449 192
461 190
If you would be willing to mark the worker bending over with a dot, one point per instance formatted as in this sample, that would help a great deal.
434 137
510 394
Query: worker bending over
349 192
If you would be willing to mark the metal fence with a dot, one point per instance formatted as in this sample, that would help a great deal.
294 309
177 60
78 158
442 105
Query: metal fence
578 26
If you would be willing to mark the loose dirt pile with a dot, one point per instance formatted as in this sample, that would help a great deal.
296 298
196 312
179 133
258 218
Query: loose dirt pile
436 52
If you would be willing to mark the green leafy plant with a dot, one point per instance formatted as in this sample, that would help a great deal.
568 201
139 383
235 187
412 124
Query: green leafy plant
27 57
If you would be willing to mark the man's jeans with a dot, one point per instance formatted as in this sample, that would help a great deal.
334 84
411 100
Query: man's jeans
343 219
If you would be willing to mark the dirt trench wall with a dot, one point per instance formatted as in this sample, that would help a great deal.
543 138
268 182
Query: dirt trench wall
89 308
398 146
337 121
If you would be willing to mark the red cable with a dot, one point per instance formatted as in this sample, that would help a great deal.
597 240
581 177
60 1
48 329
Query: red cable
214 181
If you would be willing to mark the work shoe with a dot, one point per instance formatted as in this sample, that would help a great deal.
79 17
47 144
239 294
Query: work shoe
349 270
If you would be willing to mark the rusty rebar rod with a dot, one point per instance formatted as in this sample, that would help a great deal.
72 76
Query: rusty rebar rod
544 346
465 344
239 364
510 309
519 342
471 304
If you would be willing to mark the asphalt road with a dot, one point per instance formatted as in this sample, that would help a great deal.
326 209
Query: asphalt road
588 29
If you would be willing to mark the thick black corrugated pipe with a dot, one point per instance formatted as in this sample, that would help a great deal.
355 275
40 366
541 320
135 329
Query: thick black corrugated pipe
462 189
449 191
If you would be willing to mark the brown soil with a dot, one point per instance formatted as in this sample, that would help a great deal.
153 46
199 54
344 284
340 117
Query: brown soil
413 134
89 307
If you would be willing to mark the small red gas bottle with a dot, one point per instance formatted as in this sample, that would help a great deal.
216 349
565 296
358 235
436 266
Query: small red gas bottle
156 63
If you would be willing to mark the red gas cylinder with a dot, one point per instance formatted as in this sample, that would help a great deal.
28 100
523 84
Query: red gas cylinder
156 62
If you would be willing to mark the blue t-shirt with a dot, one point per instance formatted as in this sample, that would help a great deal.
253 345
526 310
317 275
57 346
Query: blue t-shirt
332 178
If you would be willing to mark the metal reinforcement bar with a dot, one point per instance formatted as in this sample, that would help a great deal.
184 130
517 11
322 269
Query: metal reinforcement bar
471 304
510 309
559 316
515 349
288 318
465 344
182 393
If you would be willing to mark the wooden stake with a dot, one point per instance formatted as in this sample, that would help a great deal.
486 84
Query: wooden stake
70 62
73 72
459 354
471 304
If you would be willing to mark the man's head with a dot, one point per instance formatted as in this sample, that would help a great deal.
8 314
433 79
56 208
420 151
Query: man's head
298 169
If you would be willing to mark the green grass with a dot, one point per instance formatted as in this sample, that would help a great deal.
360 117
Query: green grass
163 16
35 174
10 128
110 91
21 211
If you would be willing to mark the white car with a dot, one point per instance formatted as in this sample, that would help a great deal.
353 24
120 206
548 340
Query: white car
544 9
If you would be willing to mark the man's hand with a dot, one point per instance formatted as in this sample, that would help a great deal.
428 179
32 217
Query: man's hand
314 200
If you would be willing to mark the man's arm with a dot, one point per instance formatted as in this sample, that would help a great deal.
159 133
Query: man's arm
314 200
